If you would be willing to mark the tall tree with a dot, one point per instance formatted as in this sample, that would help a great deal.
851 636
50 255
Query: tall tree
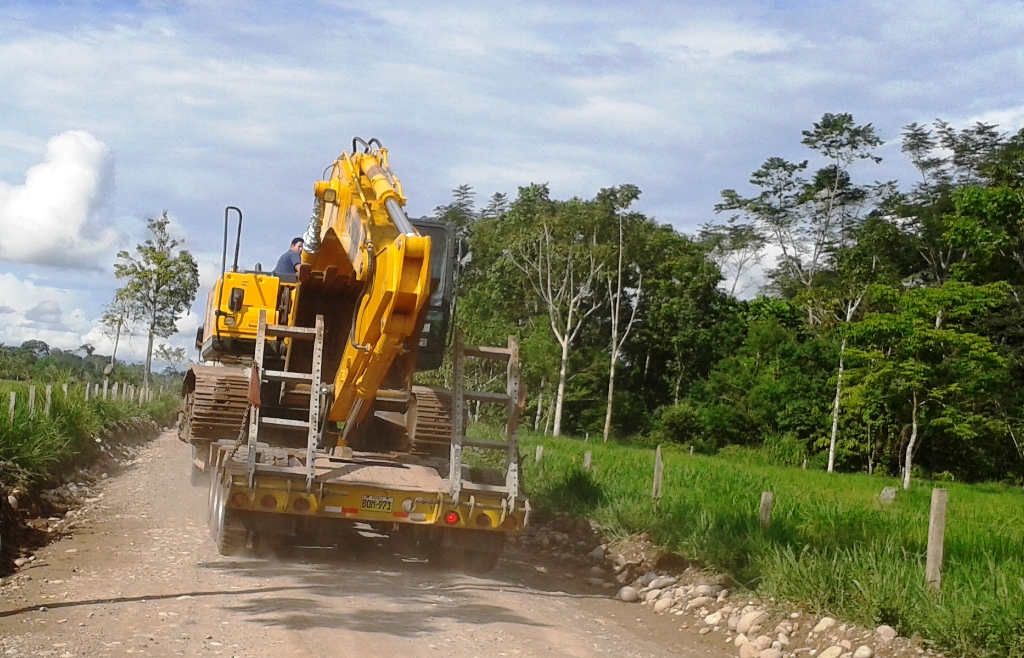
842 294
160 283
564 274
618 200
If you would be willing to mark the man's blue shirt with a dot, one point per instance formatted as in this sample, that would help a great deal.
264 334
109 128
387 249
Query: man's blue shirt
287 262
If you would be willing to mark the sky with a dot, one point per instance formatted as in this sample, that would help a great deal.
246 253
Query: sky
112 112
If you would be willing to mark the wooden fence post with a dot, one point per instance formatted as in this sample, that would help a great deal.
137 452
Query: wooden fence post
32 401
10 408
49 398
936 538
767 498
586 460
659 469
64 390
691 451
538 454
87 387
105 383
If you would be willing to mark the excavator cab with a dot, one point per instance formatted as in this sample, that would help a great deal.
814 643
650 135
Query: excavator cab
434 334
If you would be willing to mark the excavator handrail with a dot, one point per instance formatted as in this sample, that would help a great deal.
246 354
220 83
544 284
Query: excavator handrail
224 262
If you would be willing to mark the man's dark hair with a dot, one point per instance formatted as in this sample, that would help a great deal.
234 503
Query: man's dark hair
296 241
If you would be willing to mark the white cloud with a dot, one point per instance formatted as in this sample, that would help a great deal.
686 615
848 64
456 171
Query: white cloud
1009 119
50 219
48 312
36 312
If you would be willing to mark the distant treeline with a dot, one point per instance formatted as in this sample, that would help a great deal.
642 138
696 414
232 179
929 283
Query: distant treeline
36 361
891 326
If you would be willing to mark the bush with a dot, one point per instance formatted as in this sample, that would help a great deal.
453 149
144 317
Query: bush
678 423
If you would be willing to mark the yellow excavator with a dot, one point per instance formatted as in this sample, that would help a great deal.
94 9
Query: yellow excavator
303 418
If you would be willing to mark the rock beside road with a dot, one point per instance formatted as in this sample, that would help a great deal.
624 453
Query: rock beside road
628 594
885 633
749 620
823 625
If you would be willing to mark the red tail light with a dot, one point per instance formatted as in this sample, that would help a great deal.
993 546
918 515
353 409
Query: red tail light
268 502
239 499
301 505
451 518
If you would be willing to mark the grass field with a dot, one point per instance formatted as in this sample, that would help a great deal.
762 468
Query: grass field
32 446
831 547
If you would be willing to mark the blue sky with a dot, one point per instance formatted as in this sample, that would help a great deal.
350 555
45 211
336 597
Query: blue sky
191 106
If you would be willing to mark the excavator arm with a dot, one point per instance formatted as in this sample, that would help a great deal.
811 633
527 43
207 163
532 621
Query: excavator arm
360 230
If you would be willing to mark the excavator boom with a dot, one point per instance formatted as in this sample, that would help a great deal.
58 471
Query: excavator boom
360 209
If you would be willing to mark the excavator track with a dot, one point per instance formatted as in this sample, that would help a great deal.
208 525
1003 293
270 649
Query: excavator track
215 400
433 431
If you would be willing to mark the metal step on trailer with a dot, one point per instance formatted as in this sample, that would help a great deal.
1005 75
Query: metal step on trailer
257 419
285 331
512 399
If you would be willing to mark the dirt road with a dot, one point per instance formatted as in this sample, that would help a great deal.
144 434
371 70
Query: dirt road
140 575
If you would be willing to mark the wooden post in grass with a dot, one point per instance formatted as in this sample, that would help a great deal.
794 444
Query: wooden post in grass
537 455
64 390
936 538
31 401
87 387
10 407
586 460
659 468
691 451
105 383
767 498
49 398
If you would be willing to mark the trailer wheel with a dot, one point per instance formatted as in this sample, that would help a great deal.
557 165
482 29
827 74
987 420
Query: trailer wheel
232 535
228 529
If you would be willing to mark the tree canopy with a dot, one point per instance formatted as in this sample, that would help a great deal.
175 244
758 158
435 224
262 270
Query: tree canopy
888 336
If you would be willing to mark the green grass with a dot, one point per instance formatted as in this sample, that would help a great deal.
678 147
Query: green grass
831 547
31 447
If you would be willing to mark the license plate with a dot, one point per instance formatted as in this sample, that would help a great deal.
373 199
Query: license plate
376 504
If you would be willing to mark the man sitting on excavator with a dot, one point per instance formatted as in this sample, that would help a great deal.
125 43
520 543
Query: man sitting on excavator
290 260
